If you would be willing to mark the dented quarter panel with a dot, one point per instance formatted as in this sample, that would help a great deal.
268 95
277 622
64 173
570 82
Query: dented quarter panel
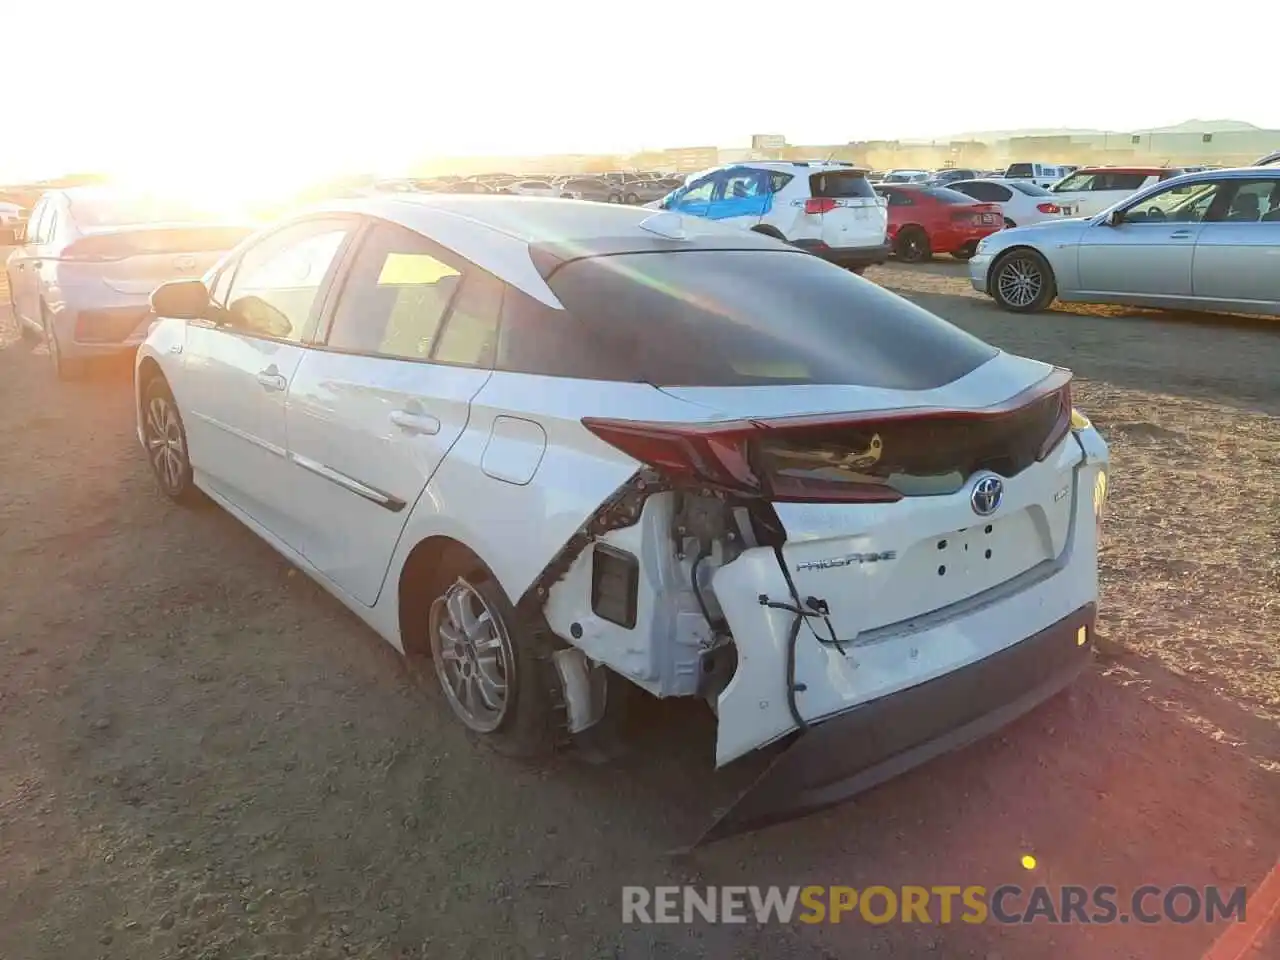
663 651
517 529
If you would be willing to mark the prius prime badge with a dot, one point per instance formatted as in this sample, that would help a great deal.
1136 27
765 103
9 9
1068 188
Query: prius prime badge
986 496
184 263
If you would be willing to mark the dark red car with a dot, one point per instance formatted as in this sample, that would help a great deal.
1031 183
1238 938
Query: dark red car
927 220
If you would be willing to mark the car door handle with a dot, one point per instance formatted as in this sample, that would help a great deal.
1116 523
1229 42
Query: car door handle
419 423
271 379
1180 235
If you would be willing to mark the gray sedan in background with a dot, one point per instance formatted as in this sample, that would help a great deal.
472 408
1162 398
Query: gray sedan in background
1202 241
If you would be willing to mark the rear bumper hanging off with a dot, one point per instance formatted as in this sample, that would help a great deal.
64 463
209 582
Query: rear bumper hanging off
836 759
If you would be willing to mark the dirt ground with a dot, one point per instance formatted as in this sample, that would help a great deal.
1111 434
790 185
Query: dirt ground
204 756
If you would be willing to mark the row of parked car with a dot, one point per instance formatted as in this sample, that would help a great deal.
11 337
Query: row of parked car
632 188
1205 239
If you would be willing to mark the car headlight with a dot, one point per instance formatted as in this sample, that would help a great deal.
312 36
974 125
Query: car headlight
1079 421
1100 493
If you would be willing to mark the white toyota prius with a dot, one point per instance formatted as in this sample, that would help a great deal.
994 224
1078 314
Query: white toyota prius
565 450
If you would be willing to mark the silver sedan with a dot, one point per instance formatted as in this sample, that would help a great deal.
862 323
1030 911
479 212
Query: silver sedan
1201 241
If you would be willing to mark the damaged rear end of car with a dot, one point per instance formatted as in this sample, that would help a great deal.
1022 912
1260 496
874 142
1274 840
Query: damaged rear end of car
855 530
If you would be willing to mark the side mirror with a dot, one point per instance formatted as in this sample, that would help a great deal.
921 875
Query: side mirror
1115 218
181 300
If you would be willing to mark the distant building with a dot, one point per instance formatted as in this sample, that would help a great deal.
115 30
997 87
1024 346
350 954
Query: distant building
690 159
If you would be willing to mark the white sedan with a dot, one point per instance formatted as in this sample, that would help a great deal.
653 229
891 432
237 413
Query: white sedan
1021 201
533 188
569 450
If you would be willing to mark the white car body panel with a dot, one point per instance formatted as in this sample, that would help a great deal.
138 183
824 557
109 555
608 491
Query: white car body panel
533 188
1020 209
1041 174
753 706
851 224
368 434
1089 203
348 463
236 425
522 526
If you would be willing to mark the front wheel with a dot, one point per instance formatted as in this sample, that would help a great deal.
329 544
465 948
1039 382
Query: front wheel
165 437
633 198
489 669
1022 282
912 246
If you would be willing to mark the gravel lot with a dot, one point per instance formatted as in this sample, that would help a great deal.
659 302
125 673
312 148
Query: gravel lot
203 755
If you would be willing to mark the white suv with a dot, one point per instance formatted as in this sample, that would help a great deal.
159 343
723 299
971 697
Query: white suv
829 209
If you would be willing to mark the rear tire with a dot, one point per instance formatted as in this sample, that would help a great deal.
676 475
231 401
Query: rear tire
615 198
912 246
64 368
494 670
1022 281
24 328
633 198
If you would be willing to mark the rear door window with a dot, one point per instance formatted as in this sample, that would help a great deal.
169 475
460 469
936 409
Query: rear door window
729 318
985 192
743 184
840 184
1118 181
947 195
1077 182
396 295
1030 189
778 180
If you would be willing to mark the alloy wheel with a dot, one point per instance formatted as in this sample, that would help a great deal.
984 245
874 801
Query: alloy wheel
1020 282
473 657
165 446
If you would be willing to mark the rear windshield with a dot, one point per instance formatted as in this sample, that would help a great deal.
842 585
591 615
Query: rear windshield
731 318
1021 170
947 195
839 185
119 210
1031 189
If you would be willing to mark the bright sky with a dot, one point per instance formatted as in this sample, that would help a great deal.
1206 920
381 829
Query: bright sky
237 91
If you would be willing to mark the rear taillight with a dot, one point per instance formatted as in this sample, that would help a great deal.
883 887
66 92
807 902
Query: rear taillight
1048 208
1062 423
819 204
852 457
714 453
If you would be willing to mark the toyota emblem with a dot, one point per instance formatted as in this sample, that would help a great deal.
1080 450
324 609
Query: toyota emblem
986 496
